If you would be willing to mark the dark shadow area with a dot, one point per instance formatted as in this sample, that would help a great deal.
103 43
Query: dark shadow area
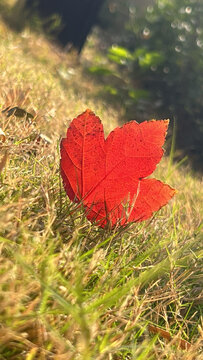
67 22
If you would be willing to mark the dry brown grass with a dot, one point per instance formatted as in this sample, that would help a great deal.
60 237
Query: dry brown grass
68 289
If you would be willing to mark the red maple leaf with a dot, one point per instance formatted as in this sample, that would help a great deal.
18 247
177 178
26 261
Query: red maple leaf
108 175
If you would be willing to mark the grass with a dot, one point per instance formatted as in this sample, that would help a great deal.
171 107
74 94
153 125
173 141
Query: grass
69 290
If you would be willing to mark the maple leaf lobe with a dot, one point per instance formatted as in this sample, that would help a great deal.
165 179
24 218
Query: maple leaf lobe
108 176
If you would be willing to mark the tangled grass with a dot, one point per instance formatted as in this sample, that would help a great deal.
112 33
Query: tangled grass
69 290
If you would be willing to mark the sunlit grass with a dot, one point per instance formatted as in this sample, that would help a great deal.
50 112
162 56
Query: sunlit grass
69 290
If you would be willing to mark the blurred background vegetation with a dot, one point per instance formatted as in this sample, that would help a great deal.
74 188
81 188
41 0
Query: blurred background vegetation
149 61
159 50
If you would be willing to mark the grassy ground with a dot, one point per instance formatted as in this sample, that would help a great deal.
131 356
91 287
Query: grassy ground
69 290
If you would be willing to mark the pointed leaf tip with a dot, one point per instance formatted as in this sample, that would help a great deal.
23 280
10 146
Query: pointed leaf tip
108 176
